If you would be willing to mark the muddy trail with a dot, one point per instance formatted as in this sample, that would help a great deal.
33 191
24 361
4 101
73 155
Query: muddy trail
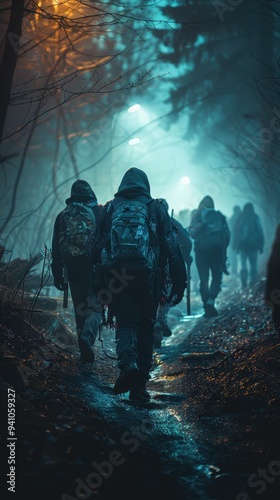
210 431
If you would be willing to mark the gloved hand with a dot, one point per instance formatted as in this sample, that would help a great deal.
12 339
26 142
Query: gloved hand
59 284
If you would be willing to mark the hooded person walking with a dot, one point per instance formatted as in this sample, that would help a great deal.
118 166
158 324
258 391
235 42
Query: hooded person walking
249 243
134 235
73 231
211 236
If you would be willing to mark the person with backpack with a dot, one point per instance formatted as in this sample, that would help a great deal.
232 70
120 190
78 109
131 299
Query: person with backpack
185 243
211 235
134 238
248 240
73 233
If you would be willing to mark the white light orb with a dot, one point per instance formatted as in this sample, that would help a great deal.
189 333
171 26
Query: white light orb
134 108
133 141
185 180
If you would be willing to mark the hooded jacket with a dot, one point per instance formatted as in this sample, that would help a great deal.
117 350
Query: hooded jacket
196 224
248 231
135 186
81 192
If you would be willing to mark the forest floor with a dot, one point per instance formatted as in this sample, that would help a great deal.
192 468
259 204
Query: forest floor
210 431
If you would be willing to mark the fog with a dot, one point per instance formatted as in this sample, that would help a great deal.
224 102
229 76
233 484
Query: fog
204 79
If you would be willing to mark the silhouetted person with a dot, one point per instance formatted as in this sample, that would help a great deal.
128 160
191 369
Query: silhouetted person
71 261
272 288
135 298
232 251
211 236
249 242
161 327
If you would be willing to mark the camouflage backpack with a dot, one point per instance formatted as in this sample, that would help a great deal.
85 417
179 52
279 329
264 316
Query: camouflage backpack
77 227
130 238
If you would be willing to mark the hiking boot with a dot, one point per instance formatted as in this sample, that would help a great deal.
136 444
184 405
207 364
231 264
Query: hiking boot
139 395
162 330
166 332
210 310
126 379
87 353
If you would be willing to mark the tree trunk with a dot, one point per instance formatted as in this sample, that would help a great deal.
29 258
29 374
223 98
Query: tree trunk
9 58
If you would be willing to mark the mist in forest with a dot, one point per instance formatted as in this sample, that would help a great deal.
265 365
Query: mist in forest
203 77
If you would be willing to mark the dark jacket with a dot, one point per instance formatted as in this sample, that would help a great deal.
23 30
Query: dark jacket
184 240
135 185
81 192
248 231
198 226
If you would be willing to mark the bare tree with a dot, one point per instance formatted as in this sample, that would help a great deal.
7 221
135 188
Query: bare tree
68 68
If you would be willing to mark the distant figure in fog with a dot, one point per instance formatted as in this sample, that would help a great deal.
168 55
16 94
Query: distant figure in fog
249 242
272 289
233 255
211 234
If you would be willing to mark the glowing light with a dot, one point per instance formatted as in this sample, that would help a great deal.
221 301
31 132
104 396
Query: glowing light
133 141
134 108
185 180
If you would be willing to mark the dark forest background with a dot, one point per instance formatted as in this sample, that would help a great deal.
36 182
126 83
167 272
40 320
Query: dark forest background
206 74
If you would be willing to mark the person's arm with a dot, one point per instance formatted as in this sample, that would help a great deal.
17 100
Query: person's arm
169 248
184 241
57 264
226 232
101 232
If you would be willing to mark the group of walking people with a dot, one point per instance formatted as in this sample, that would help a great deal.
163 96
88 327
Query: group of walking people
129 258
131 264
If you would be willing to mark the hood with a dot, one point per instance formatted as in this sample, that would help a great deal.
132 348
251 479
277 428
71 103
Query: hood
81 192
248 209
134 183
206 202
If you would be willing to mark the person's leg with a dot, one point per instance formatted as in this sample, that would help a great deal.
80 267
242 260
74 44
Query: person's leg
93 318
201 260
161 328
145 347
243 269
216 262
216 266
233 262
78 297
253 260
87 309
90 329
126 307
